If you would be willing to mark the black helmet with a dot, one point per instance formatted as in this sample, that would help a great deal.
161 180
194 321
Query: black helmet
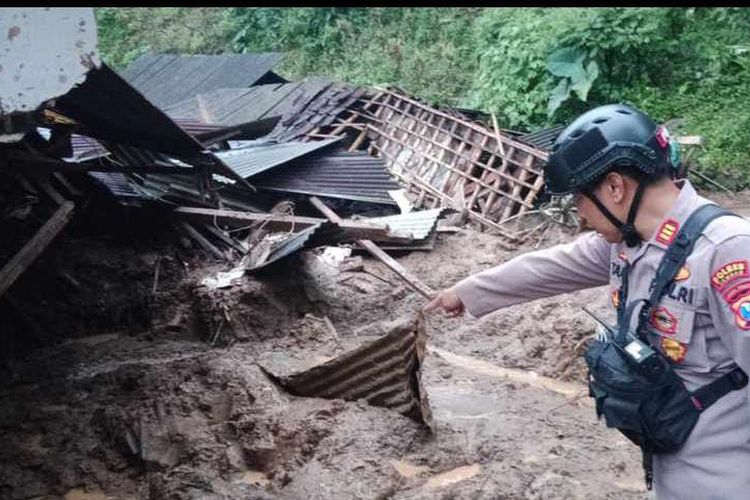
604 138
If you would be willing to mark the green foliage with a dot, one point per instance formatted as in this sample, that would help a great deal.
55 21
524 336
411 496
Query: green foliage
126 33
418 49
531 66
567 63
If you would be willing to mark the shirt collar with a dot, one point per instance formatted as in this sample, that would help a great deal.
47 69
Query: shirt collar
686 203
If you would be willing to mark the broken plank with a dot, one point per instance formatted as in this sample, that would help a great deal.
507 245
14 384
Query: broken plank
272 222
35 246
237 245
376 251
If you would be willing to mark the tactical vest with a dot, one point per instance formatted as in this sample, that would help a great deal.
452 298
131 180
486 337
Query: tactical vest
635 387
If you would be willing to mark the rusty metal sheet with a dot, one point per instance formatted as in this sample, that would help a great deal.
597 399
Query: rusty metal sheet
386 372
44 53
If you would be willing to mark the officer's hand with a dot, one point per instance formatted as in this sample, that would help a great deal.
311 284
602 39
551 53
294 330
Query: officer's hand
448 301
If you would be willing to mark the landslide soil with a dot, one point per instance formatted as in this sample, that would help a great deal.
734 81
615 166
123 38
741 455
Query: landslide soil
132 387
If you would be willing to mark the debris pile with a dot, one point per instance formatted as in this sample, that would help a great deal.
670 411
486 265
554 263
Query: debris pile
185 246
217 168
232 155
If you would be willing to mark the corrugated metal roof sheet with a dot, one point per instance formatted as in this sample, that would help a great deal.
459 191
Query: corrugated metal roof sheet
262 156
87 148
323 233
169 78
542 139
385 372
234 106
419 223
319 110
120 185
354 176
112 110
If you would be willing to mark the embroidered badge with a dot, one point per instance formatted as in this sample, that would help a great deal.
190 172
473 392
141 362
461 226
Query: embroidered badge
664 321
667 231
728 273
741 310
673 349
737 291
682 274
616 298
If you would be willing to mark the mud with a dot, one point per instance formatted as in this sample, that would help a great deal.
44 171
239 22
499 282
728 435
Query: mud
168 401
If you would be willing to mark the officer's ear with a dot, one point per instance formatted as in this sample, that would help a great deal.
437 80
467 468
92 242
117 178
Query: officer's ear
615 187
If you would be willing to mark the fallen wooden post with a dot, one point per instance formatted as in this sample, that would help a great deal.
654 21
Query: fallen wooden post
35 246
376 251
202 240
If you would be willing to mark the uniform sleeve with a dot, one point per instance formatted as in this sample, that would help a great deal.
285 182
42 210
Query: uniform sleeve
583 263
729 297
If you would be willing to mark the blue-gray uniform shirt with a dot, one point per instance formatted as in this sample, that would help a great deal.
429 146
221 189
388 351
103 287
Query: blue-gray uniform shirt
702 324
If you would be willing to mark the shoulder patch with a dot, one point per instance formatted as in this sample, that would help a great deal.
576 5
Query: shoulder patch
682 274
728 273
667 231
741 309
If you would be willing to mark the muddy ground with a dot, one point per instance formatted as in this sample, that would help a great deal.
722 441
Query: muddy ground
130 387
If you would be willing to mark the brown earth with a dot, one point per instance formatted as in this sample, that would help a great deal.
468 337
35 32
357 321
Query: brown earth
134 394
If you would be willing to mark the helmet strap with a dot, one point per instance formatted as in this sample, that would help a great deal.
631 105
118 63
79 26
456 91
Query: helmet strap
629 233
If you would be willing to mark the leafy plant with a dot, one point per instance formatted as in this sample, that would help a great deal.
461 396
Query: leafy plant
532 67
568 63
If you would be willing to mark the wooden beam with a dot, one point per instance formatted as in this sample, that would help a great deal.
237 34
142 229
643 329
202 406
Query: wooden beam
47 187
376 251
202 241
72 190
35 246
237 219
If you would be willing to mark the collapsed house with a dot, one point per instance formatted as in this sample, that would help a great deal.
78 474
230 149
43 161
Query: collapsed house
250 167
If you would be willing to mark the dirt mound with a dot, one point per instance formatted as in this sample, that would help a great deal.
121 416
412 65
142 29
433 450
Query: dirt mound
168 401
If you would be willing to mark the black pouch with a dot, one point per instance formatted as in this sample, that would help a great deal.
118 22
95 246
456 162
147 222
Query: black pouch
652 409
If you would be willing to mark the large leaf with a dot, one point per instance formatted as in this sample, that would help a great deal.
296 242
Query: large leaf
582 84
558 96
567 61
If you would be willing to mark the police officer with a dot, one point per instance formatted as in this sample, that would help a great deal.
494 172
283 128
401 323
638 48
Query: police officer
619 165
